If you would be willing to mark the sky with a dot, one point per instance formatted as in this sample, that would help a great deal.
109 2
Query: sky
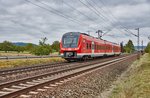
30 20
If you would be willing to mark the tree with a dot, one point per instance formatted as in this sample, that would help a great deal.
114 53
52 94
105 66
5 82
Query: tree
0 46
42 48
56 46
129 47
7 46
42 42
29 47
147 49
19 49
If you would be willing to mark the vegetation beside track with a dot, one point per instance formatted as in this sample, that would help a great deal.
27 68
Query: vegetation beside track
136 82
25 53
27 62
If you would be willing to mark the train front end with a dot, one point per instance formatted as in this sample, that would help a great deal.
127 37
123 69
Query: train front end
69 46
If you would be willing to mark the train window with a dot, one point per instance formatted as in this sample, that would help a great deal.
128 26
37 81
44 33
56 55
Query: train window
86 45
96 47
102 47
90 46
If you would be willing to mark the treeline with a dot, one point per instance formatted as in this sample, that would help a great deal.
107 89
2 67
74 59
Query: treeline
45 49
147 49
41 49
129 47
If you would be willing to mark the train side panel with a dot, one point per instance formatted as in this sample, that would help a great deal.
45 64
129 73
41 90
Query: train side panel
88 47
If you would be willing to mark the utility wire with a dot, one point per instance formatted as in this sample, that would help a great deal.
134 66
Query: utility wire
56 13
127 30
81 13
102 14
91 9
97 13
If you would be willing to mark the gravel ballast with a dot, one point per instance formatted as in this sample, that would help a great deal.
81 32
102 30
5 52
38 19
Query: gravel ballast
90 85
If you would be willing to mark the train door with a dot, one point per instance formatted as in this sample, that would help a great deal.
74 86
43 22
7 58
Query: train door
105 50
113 49
92 49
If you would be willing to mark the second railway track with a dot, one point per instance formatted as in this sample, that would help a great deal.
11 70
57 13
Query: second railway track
19 87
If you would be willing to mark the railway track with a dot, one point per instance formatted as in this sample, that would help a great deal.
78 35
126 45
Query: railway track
30 68
13 71
34 84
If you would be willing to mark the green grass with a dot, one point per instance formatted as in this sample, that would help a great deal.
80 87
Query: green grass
27 62
136 83
25 53
14 53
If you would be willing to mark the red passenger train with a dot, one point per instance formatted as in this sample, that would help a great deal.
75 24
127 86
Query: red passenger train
76 46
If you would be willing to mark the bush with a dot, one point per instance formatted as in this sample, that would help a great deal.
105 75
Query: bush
41 50
147 49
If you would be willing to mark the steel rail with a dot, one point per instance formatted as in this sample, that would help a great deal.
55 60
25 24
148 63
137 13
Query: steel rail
53 77
12 71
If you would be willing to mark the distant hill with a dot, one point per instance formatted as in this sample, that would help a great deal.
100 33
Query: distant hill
140 47
21 43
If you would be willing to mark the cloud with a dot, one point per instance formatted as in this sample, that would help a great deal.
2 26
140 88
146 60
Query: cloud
23 21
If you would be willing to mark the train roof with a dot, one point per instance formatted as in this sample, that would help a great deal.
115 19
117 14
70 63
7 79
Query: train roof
78 33
73 33
100 39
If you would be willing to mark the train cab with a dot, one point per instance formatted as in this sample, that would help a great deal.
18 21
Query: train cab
70 45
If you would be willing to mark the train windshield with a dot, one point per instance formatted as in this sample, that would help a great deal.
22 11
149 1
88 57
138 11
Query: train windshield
70 41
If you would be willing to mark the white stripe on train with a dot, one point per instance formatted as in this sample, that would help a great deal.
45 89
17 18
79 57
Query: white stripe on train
95 54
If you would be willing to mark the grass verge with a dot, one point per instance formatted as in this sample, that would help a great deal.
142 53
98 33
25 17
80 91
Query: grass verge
136 82
27 62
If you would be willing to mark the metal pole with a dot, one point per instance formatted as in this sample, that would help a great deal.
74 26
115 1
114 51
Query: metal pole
138 36
138 40
99 33
142 46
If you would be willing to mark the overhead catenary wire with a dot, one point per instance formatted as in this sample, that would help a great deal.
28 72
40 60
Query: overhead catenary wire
115 19
56 13
27 26
81 13
104 16
96 10
93 9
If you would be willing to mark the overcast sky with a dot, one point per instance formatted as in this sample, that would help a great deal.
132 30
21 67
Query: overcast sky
24 21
